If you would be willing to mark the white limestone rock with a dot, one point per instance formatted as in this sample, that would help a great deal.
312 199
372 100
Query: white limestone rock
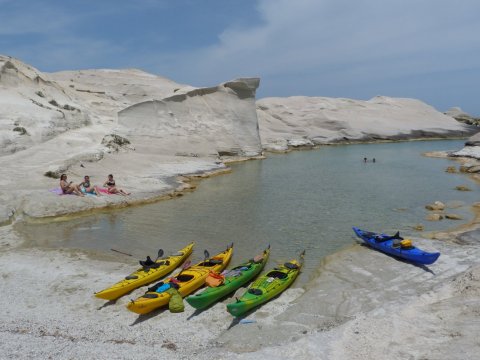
327 120
471 149
33 109
460 115
212 121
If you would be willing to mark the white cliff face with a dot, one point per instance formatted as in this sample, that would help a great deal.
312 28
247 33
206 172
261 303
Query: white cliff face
33 109
212 121
307 121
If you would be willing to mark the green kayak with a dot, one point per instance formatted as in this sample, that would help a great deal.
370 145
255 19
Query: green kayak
266 287
233 279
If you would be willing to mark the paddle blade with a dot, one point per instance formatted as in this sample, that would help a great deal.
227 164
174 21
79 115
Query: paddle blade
302 257
206 254
160 253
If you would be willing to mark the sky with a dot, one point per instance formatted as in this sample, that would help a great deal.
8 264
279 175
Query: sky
423 49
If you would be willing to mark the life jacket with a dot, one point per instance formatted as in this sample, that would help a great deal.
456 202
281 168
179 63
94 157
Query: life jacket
213 279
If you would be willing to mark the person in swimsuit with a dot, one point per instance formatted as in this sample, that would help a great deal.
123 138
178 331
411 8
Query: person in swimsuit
89 188
69 187
112 188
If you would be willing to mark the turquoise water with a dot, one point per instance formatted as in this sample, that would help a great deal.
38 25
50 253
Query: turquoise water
302 200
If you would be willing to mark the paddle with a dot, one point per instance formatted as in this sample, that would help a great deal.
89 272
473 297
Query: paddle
147 267
302 257
121 252
159 254
206 254
185 266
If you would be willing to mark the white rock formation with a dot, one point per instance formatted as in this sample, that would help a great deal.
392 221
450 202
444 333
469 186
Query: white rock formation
307 121
471 149
67 122
33 109
212 121
460 115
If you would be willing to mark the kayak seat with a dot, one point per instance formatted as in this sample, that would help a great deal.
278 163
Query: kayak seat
156 286
242 267
277 275
291 266
397 243
254 291
184 278
131 277
211 262
150 296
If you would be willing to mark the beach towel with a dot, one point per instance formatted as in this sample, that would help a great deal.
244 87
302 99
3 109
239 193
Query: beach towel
59 191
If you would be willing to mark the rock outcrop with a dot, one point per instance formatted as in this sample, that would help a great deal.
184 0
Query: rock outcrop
471 149
459 115
33 109
212 121
307 121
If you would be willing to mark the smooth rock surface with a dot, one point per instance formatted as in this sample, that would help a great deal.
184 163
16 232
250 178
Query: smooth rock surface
306 121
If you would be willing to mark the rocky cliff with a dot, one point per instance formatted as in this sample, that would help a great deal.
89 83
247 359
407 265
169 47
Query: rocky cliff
213 121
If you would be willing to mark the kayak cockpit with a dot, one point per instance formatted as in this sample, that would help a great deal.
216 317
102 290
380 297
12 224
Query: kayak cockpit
210 263
277 275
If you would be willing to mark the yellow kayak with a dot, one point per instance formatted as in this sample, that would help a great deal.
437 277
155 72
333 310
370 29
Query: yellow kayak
146 274
186 281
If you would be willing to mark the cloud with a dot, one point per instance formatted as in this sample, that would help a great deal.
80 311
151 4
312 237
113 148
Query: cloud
309 47
344 40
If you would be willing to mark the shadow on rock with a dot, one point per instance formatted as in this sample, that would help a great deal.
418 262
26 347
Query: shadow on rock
420 266
145 317
108 303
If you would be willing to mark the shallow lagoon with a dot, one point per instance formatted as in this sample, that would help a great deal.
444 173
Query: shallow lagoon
302 200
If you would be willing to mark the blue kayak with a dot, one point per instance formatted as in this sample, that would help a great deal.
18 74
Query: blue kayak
391 245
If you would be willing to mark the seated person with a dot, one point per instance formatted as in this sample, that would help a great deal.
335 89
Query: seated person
111 187
89 188
69 187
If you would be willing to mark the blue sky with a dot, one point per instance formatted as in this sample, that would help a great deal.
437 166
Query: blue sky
424 49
